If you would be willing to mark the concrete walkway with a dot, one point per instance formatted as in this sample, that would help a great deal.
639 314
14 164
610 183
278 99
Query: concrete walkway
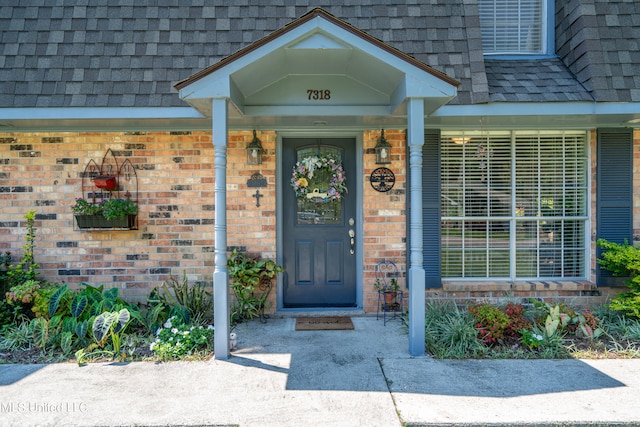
282 377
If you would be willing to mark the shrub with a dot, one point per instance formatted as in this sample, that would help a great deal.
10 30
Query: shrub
624 261
491 323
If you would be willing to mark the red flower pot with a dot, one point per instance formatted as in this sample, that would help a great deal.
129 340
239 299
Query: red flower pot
105 182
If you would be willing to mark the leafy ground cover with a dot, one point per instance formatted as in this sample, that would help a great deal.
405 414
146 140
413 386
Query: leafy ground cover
42 322
531 330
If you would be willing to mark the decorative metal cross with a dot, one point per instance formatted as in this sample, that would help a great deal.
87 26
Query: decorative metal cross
257 196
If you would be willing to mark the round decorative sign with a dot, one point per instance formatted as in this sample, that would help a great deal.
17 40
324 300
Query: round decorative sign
382 179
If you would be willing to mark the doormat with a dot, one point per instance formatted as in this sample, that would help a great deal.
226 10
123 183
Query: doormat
324 323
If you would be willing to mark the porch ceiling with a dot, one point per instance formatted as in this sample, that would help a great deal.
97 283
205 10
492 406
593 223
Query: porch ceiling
317 70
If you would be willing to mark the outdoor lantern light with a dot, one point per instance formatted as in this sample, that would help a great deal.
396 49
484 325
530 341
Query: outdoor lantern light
383 150
254 151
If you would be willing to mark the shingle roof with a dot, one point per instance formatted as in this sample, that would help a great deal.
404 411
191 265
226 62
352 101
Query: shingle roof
547 80
108 53
118 53
599 40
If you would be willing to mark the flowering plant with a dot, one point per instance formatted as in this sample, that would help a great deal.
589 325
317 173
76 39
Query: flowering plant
176 339
531 339
109 208
326 165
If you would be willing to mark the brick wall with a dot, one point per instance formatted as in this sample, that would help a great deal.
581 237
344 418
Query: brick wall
384 214
176 203
43 171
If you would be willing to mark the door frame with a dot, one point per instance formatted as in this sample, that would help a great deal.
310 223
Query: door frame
283 185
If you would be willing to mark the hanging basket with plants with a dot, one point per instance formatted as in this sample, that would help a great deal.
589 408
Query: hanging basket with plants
109 213
319 178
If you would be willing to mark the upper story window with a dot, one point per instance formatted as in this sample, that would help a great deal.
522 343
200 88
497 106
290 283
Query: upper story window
513 26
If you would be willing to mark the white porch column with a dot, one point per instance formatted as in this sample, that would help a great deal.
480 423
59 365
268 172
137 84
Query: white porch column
415 140
220 273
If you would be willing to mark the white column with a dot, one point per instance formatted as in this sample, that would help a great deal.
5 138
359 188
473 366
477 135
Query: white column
220 273
415 140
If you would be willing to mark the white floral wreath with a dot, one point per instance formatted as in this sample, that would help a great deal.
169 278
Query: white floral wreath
303 173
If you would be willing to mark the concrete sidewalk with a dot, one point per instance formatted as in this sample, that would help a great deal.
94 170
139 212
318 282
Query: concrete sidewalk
282 377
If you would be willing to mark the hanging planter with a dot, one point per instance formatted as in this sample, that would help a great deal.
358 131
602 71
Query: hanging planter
84 222
110 213
106 182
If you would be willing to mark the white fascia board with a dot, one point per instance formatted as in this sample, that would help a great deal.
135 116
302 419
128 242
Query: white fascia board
209 87
412 87
106 113
538 109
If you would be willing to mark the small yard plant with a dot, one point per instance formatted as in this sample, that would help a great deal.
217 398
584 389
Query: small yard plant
176 340
251 281
623 260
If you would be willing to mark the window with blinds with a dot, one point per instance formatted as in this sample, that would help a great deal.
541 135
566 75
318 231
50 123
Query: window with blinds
512 26
514 204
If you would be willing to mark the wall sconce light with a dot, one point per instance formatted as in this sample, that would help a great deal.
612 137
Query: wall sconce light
254 151
383 150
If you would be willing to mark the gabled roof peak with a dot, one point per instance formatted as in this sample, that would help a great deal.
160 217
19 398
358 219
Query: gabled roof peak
309 16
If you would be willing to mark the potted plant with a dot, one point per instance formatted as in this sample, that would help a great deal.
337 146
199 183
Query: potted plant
389 289
251 281
109 213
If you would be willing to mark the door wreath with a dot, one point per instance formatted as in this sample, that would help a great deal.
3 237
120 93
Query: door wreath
306 187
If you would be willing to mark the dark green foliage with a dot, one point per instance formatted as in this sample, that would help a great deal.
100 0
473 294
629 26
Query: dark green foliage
6 310
78 304
55 299
191 303
251 280
624 261
118 208
5 262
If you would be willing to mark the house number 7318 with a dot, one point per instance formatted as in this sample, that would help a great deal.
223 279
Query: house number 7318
318 95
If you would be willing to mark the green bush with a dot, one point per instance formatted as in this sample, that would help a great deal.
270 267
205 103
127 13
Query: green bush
251 280
491 323
623 260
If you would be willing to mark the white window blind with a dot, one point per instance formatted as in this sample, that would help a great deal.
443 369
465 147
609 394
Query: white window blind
512 26
514 204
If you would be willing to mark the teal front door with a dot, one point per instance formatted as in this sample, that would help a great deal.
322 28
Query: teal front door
319 222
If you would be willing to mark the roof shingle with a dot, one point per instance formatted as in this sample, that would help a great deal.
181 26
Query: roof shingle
123 53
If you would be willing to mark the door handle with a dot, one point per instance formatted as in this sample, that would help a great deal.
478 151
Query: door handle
352 234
